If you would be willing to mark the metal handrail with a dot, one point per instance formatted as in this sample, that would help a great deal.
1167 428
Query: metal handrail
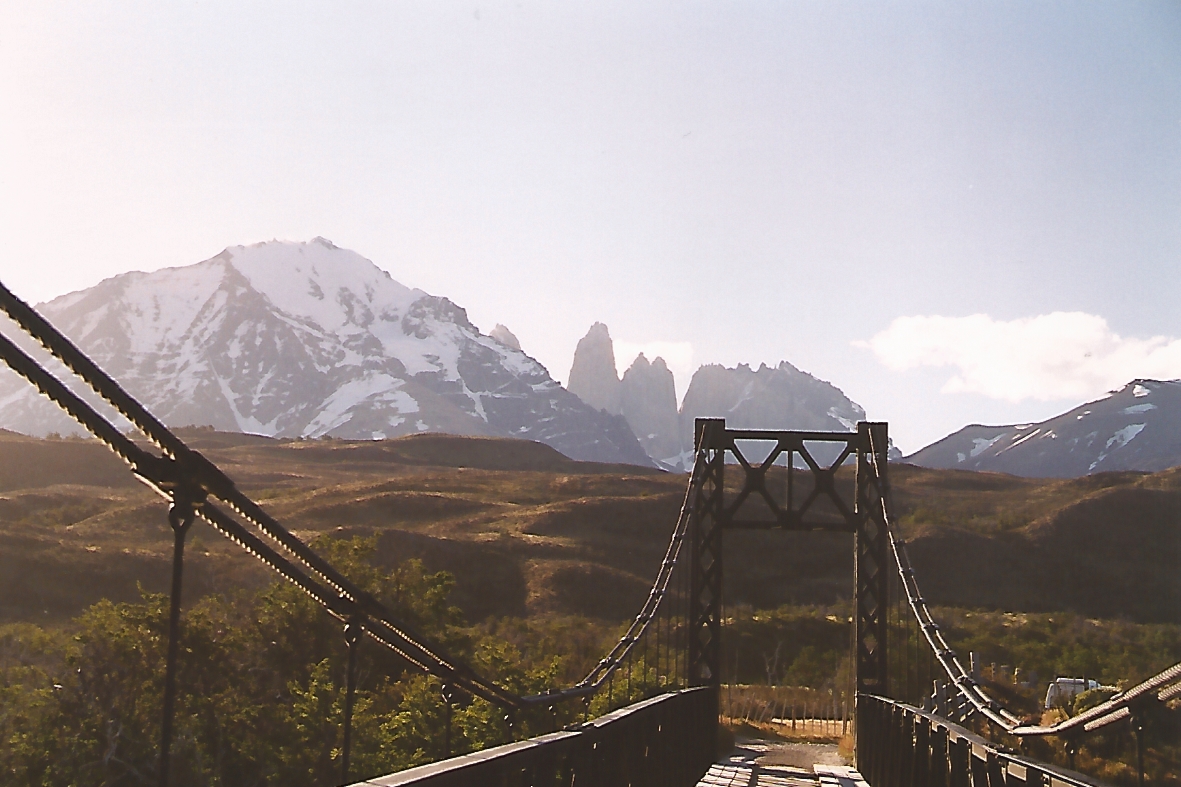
893 721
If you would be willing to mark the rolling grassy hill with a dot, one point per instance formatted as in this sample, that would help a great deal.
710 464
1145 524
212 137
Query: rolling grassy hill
527 531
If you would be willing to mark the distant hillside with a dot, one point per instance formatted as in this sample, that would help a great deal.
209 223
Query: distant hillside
1135 428
1104 545
526 531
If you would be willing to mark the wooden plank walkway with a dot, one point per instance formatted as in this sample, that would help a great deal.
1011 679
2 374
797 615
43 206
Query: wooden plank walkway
838 776
742 769
732 774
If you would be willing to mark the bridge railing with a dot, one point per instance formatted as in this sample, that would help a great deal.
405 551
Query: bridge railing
900 745
665 741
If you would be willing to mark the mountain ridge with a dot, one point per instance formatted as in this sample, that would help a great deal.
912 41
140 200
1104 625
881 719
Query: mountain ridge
770 397
308 339
1137 427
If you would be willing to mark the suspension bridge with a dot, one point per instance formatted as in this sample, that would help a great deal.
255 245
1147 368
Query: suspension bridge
918 712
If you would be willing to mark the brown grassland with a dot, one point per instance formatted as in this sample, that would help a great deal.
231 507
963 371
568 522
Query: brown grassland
526 531
1047 574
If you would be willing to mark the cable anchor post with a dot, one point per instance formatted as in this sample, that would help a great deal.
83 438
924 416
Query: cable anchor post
354 629
181 514
1137 722
448 693
510 720
1071 750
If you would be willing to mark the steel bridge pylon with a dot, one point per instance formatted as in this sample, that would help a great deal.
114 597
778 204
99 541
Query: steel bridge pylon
809 500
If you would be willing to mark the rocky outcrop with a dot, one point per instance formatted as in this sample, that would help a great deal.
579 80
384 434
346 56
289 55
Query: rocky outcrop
648 399
506 337
309 340
593 377
771 397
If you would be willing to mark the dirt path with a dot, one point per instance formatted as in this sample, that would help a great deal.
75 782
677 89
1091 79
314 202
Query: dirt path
796 755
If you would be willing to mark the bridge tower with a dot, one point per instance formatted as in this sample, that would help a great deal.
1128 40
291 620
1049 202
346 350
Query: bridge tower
717 509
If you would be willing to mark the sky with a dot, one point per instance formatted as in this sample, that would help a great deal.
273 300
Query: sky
957 213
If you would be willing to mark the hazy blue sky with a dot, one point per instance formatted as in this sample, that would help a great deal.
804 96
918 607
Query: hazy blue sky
956 212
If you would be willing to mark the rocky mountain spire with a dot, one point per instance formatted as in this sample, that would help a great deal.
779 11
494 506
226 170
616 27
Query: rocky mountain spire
592 376
648 400
771 397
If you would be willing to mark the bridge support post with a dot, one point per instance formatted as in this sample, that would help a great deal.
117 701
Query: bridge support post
705 591
705 602
181 514
871 565
353 632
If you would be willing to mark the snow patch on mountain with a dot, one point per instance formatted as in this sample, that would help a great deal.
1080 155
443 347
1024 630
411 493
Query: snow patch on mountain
1124 436
1121 438
335 411
848 423
981 444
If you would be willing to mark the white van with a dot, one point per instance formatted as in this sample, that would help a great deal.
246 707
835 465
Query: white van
1062 691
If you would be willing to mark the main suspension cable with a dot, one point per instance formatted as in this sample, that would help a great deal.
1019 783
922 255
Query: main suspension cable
183 471
1164 685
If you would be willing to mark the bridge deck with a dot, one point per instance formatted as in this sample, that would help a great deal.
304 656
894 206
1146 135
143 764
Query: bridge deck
741 774
726 774
766 764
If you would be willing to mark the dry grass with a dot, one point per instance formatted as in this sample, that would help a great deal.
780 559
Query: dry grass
522 528
527 531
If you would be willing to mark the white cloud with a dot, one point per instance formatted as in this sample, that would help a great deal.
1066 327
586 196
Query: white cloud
1063 355
677 355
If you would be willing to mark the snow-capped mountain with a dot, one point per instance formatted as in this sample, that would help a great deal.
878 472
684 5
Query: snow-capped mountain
1135 428
308 339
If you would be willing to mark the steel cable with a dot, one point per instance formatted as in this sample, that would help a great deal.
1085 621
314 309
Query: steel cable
169 481
183 467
